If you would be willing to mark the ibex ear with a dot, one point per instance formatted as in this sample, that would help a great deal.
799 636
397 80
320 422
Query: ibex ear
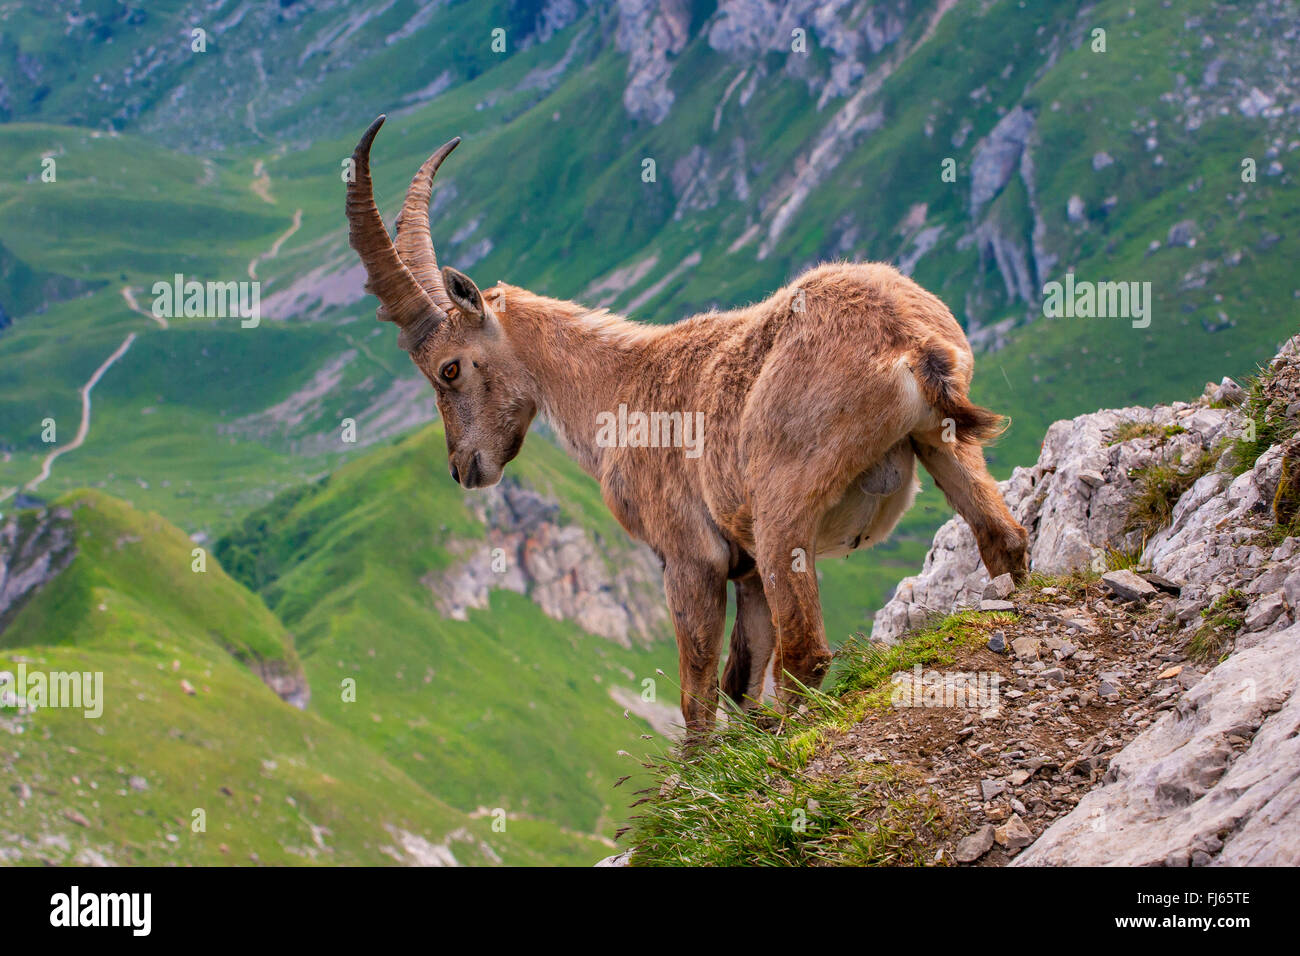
464 293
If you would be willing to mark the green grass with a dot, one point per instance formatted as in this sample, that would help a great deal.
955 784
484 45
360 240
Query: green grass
1129 430
1072 586
509 708
277 785
1220 623
149 185
863 666
1159 486
1264 429
746 799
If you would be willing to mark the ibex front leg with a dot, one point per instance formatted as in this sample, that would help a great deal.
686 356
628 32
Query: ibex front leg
697 599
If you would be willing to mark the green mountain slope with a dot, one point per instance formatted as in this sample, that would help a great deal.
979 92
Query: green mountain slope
508 708
655 158
275 784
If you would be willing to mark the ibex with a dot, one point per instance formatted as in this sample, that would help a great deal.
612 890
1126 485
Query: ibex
817 403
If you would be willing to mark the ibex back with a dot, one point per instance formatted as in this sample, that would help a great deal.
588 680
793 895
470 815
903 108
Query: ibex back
815 405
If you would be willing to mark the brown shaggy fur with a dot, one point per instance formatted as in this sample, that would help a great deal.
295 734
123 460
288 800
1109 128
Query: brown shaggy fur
816 403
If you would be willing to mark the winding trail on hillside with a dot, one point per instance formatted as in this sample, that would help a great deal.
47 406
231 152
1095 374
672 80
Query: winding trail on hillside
84 428
129 295
275 246
261 184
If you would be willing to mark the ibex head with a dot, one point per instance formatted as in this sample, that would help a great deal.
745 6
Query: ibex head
451 332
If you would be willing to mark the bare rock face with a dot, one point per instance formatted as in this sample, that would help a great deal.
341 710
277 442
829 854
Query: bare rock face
614 590
33 551
1074 502
288 680
1214 781
750 28
651 33
997 157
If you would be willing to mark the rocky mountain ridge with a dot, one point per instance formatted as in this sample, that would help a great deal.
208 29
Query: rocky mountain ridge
612 589
1212 777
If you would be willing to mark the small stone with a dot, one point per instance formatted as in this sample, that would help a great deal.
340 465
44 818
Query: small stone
187 687
1018 777
1054 675
1230 392
998 643
1265 611
1025 648
1108 690
138 783
76 818
1169 672
1000 588
1127 586
1091 478
992 789
1014 834
976 845
996 606
1161 583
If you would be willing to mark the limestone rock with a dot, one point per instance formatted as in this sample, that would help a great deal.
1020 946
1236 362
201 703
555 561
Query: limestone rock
1181 787
1127 586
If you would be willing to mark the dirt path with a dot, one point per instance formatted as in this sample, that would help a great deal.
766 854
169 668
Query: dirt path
261 184
275 246
84 428
129 295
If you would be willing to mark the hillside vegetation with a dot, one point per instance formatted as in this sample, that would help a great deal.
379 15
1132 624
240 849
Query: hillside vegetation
654 158
188 725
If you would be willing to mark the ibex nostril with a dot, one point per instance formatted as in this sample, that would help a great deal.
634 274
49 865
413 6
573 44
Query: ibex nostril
455 474
475 473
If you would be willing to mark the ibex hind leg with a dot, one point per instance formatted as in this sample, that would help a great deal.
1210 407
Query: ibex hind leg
752 640
959 470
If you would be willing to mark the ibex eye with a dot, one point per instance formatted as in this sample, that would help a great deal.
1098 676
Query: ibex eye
450 371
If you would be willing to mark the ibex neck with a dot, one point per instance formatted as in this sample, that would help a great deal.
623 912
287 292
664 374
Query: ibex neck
580 360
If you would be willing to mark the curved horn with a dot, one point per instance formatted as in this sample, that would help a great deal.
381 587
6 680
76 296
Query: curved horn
414 241
403 299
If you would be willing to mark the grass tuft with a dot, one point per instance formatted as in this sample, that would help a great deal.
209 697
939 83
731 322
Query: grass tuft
747 798
1263 430
1220 621
1159 488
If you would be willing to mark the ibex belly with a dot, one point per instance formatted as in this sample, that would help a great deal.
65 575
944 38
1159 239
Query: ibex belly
871 505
